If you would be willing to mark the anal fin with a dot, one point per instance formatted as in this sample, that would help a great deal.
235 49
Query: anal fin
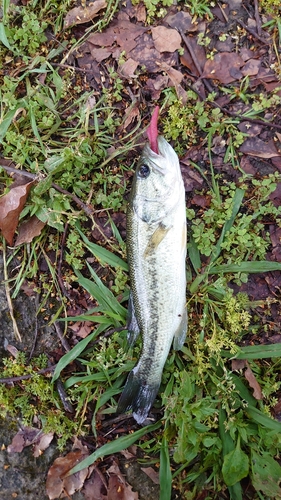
180 333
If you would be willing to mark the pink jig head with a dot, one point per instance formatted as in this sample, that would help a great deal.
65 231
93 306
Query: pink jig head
152 131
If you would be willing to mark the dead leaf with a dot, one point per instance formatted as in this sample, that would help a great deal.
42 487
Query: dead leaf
28 436
82 328
240 364
80 15
181 21
11 205
95 488
251 67
253 383
166 39
225 67
131 114
57 481
152 474
128 68
28 230
43 444
118 489
256 147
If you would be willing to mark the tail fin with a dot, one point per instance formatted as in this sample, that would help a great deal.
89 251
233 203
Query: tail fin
137 396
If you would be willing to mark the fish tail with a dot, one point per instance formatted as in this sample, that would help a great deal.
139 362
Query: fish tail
138 396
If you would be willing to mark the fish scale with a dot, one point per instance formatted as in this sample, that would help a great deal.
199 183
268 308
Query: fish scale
156 250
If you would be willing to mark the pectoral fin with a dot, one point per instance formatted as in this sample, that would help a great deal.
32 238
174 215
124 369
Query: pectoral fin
156 238
180 333
132 323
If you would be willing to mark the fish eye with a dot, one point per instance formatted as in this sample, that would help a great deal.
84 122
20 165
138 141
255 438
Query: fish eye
143 171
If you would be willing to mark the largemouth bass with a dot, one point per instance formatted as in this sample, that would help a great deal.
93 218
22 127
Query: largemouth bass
156 251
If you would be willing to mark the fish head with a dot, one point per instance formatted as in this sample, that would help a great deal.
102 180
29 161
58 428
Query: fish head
157 185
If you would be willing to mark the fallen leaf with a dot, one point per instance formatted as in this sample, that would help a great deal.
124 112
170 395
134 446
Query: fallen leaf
82 328
251 67
225 67
80 15
95 488
130 115
166 39
256 147
253 383
57 481
28 436
11 205
28 230
152 474
43 444
240 364
181 21
128 68
118 489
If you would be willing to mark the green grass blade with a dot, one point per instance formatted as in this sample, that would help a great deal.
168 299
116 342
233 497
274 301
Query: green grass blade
194 255
102 294
3 37
115 446
263 419
7 120
255 352
237 200
261 266
75 352
228 445
103 255
165 474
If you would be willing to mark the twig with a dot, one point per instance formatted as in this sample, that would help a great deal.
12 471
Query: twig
252 32
88 211
9 380
62 338
196 64
60 280
8 296
235 115
36 329
257 17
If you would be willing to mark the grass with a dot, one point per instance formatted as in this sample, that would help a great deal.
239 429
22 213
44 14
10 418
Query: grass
214 435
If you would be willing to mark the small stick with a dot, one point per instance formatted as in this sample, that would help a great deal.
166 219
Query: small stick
88 211
9 380
196 64
8 296
257 16
252 32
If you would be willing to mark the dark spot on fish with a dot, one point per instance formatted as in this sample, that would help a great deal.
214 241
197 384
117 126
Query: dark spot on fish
143 171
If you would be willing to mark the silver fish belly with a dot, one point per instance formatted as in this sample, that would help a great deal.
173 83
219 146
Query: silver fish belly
156 249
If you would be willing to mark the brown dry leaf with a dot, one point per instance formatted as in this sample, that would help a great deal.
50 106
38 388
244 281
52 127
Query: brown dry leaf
28 436
225 67
251 67
57 483
118 489
181 21
11 205
128 68
256 147
80 15
238 364
131 114
152 474
199 52
43 443
95 488
28 230
166 39
82 328
253 383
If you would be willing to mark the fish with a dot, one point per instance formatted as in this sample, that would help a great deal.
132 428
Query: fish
156 252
